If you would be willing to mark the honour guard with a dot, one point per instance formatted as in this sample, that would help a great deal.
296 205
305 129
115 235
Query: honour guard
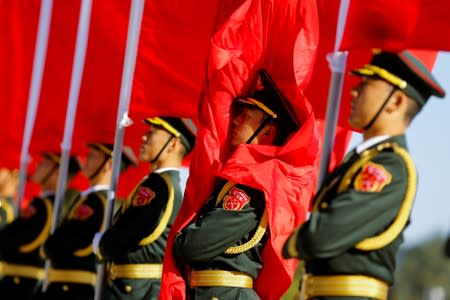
359 214
9 181
447 247
22 265
220 250
134 245
73 264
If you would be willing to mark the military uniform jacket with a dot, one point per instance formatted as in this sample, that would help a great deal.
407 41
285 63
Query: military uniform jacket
70 246
21 240
140 229
6 211
223 235
359 214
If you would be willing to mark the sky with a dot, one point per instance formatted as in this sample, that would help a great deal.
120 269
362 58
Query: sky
429 143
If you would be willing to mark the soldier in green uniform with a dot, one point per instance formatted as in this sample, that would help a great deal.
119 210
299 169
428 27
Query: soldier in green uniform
220 250
447 247
359 214
9 180
73 271
22 265
134 245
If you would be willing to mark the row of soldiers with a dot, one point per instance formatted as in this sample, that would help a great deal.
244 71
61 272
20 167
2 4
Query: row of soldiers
133 246
348 245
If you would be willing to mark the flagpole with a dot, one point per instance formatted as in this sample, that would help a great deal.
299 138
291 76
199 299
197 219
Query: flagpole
134 27
33 97
77 73
337 63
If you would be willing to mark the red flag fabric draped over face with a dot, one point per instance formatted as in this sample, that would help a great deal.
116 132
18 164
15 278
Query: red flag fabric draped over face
258 34
397 25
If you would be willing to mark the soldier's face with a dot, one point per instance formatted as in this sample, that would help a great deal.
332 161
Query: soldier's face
246 122
8 177
367 98
152 142
4 176
93 161
43 170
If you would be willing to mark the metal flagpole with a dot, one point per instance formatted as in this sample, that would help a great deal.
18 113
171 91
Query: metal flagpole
33 97
337 62
134 27
77 73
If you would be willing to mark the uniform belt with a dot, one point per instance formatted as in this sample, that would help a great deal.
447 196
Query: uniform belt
72 276
220 278
343 285
7 269
134 271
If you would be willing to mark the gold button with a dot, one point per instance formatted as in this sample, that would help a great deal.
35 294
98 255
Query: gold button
324 205
128 288
16 280
65 288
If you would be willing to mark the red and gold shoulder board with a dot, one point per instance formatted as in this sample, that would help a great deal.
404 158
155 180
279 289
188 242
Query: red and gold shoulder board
235 200
372 178
143 196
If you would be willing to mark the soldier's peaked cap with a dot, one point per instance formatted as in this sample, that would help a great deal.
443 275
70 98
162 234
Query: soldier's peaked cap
128 157
404 71
182 128
74 163
269 98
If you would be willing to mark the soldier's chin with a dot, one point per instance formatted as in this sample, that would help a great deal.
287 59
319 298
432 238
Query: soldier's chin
142 158
354 124
235 141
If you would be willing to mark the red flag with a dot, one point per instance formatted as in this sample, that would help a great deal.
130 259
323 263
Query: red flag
172 55
99 92
397 25
18 29
318 88
258 34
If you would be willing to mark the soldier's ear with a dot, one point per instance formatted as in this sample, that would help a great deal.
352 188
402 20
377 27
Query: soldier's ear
174 144
108 164
269 133
398 102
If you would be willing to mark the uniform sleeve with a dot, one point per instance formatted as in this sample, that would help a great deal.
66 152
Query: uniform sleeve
77 231
355 214
24 229
137 220
6 211
216 231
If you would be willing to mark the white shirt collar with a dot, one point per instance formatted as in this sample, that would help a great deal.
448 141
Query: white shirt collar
95 188
162 170
370 142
